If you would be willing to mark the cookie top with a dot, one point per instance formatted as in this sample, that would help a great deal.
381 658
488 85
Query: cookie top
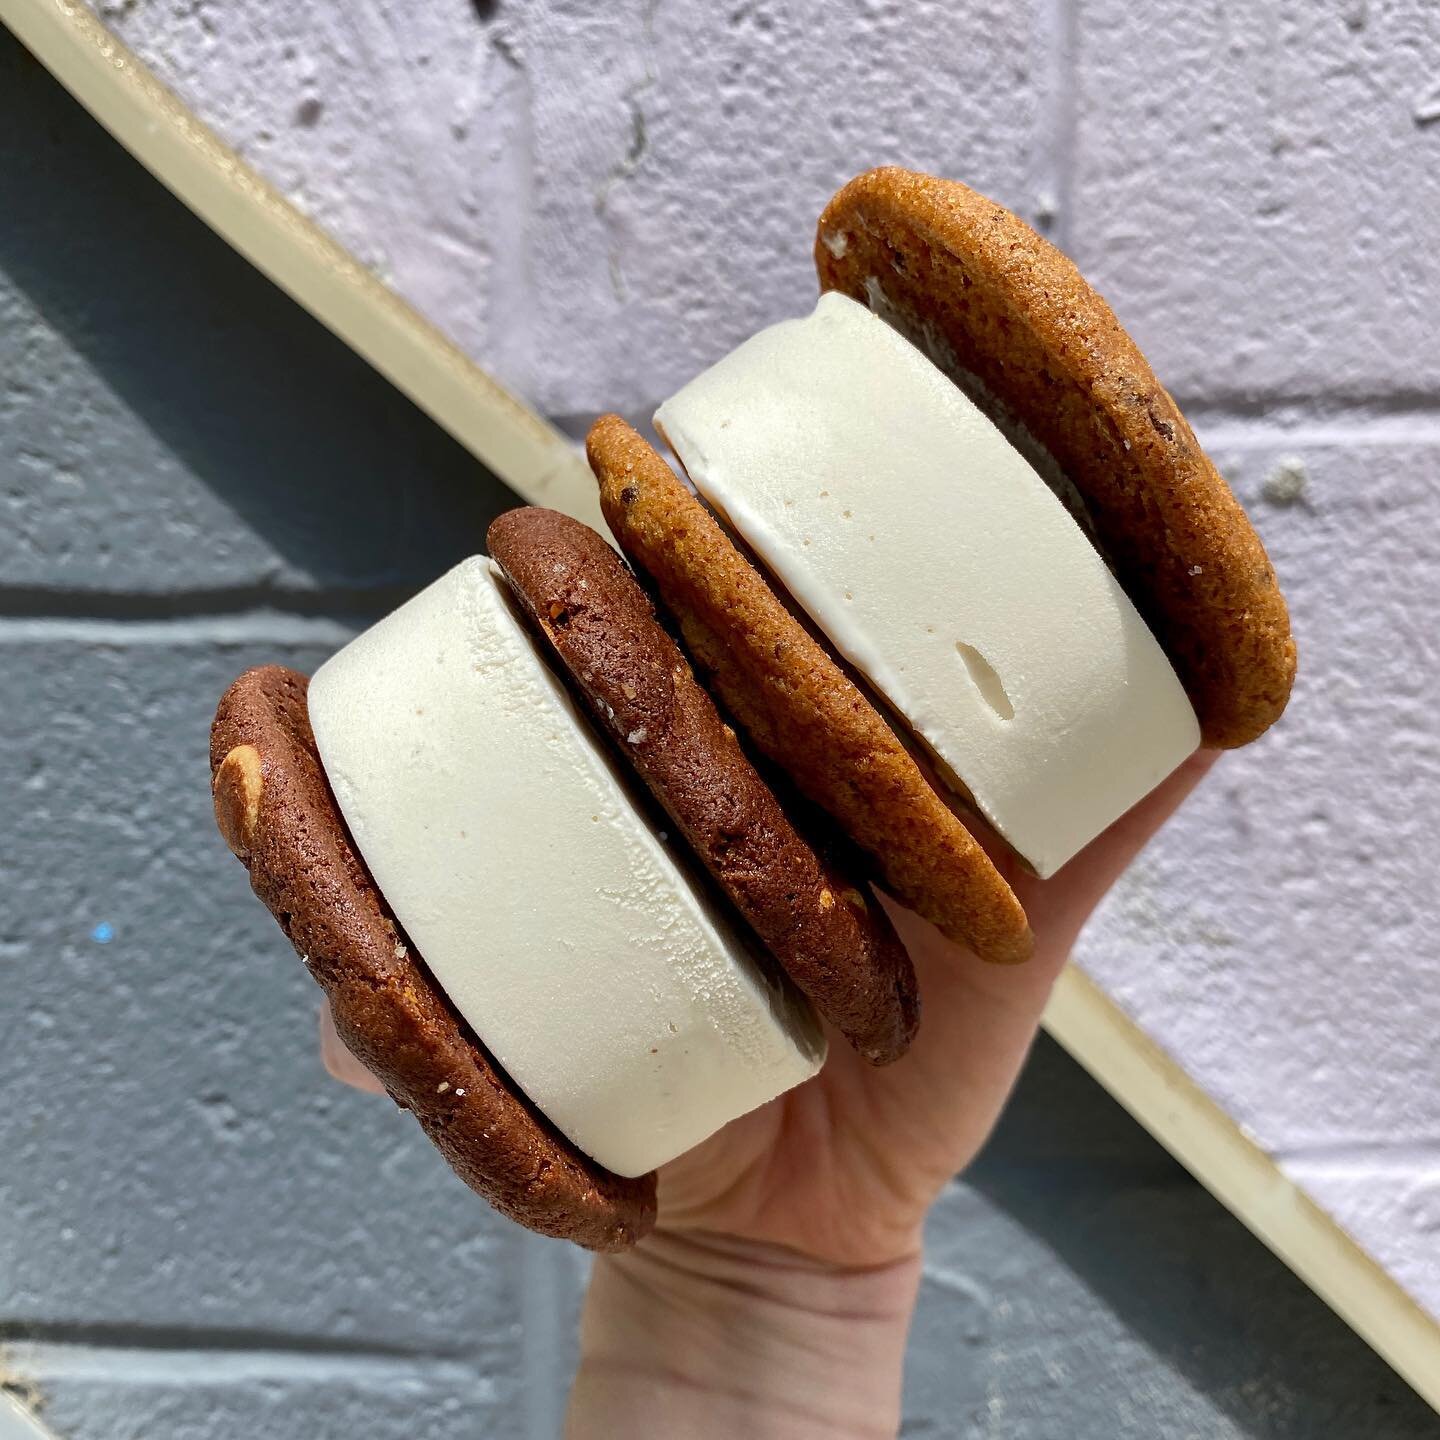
993 302
274 808
809 911
796 703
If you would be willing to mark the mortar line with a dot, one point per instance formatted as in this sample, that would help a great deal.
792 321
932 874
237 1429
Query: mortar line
1340 1157
141 1336
47 602
250 628
1318 406
1058 27
510 302
1230 435
1266 422
46 1362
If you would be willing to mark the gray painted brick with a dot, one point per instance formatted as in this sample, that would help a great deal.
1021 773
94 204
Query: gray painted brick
171 421
1079 1283
174 1154
1056 1304
1256 191
445 1403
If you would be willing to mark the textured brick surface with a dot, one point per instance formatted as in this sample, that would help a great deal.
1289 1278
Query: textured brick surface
1256 188
1280 936
174 1154
633 186
144 1399
683 152
198 1234
171 422
391 129
1068 1298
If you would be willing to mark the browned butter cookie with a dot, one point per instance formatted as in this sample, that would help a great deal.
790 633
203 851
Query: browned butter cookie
993 302
796 703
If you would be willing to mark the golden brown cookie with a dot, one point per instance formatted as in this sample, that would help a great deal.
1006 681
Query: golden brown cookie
796 703
810 912
274 808
991 300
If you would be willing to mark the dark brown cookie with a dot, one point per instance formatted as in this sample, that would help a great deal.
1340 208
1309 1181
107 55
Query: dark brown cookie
797 705
963 276
811 914
274 808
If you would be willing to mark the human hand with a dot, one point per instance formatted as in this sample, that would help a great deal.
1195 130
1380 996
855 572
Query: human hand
777 1289
775 1296
845 1167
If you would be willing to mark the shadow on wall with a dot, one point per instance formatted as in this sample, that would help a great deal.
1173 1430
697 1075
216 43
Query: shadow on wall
1180 1274
342 476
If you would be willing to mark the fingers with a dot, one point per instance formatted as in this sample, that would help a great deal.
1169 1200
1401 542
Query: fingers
978 1020
1057 907
341 1064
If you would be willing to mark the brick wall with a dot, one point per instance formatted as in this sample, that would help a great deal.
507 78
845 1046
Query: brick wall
199 1235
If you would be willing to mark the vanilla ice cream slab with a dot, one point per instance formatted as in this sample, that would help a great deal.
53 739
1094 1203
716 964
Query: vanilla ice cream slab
594 969
942 568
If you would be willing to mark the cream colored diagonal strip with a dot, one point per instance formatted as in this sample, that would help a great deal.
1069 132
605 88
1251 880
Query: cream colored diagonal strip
519 446
536 461
1151 1085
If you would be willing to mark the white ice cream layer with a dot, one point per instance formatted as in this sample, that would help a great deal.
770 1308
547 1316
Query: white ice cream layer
554 918
942 567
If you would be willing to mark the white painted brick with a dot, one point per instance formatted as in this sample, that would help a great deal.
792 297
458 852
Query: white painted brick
1279 937
1257 194
683 153
633 186
378 119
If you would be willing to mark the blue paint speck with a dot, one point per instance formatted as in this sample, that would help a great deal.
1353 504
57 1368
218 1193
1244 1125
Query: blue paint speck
103 933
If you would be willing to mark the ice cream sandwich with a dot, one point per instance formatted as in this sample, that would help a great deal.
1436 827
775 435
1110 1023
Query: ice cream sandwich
555 907
951 555
964 587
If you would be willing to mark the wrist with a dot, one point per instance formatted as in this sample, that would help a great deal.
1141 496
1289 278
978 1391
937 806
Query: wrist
693 1333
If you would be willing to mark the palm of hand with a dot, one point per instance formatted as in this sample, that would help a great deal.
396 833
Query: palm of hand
844 1167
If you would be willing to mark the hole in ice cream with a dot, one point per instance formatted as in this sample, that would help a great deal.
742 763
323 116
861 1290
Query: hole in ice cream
986 680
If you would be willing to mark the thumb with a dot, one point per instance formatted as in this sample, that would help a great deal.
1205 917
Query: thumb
339 1061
